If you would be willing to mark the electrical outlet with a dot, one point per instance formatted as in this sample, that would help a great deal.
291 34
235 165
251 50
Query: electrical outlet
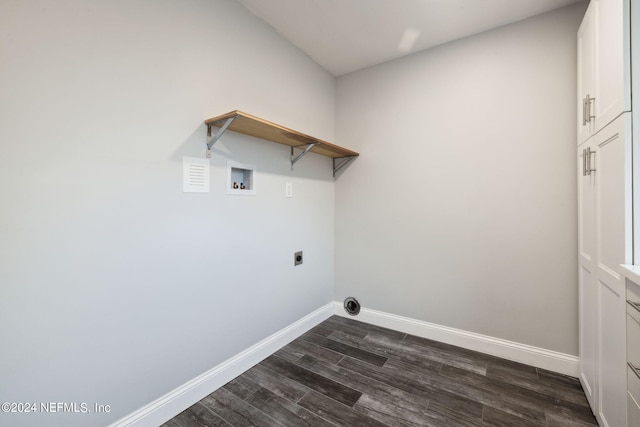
288 189
297 258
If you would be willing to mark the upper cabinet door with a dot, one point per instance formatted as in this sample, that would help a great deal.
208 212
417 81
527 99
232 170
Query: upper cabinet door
604 70
586 71
612 61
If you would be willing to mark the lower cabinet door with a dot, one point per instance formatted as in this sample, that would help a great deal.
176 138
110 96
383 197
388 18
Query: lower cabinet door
613 247
587 291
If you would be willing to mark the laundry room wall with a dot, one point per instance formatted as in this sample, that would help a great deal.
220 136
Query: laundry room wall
115 286
461 209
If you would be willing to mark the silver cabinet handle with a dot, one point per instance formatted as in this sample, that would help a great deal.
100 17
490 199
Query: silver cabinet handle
584 162
589 153
584 111
588 101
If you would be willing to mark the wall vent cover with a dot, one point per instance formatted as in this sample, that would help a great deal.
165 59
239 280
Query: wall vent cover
352 306
195 175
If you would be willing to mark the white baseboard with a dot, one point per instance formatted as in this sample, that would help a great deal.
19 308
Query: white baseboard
542 358
172 403
177 400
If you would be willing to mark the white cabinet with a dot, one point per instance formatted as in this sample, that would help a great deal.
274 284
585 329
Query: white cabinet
586 274
604 225
604 71
633 353
604 119
586 72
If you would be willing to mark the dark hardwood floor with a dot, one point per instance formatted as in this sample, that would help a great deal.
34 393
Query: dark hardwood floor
348 373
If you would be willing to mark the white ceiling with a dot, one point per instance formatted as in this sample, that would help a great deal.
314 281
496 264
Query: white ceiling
347 35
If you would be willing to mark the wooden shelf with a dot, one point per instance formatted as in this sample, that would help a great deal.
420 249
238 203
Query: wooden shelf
260 128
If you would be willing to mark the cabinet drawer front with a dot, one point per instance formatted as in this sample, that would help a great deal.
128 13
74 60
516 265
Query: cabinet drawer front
633 341
633 384
633 309
633 326
633 296
633 410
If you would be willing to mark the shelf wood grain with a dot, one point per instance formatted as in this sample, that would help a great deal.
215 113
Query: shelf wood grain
260 128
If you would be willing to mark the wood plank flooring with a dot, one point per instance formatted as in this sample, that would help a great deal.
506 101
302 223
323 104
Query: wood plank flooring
348 373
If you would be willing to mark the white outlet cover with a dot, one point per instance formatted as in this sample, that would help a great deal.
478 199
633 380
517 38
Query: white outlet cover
288 189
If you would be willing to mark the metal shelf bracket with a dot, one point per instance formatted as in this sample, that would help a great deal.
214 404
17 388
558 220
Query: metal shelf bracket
217 136
299 156
340 162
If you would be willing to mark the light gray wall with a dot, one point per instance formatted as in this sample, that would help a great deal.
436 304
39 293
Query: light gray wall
461 209
115 286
